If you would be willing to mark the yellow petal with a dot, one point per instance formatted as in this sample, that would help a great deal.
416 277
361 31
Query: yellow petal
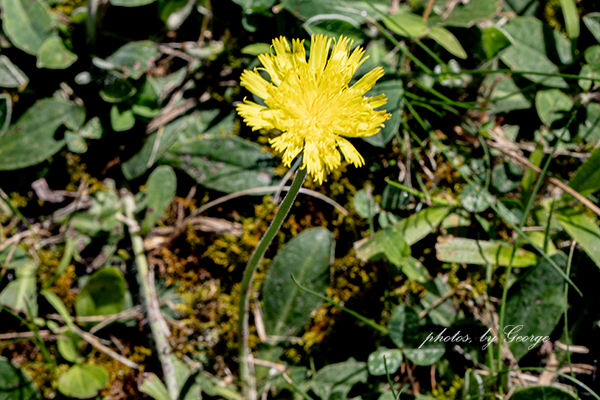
350 153
255 83
319 48
367 82
252 114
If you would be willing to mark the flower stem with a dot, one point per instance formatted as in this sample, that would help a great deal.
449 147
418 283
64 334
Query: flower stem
251 268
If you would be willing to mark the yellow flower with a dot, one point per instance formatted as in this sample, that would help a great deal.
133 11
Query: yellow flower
311 103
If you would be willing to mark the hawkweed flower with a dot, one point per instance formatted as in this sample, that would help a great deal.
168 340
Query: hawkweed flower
311 103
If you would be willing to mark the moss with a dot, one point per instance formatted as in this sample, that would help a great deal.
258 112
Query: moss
444 391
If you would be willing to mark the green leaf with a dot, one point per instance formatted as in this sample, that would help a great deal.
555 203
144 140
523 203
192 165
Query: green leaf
395 248
494 41
103 294
54 55
92 129
116 88
404 326
534 33
475 201
334 25
552 106
227 164
480 252
153 387
27 23
75 143
21 293
542 392
465 14
134 58
529 176
445 312
592 21
121 121
15 384
394 90
506 177
256 49
411 229
307 256
523 58
10 75
131 3
337 379
407 24
426 355
586 179
68 348
590 130
381 357
583 229
535 306
83 381
349 8
506 95
448 41
31 139
161 185
571 17
155 146
365 205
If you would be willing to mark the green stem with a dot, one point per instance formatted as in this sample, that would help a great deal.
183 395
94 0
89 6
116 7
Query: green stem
251 268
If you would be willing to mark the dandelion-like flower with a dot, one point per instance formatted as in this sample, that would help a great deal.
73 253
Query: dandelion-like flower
311 103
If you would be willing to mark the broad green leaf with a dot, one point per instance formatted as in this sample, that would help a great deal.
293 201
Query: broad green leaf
121 121
92 129
395 248
256 49
415 270
83 381
161 186
19 257
523 58
535 305
75 143
592 21
54 55
506 177
227 164
506 95
448 41
426 355
475 201
334 25
15 384
530 176
68 347
590 129
481 252
134 58
21 294
155 146
337 379
394 90
583 229
27 23
534 33
407 24
552 105
404 326
592 56
31 139
411 229
465 14
307 256
443 313
494 41
153 387
5 112
571 16
116 88
131 3
380 358
103 294
542 392
365 205
10 75
586 179
350 8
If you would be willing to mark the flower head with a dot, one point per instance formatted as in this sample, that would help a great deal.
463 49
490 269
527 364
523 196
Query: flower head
311 103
